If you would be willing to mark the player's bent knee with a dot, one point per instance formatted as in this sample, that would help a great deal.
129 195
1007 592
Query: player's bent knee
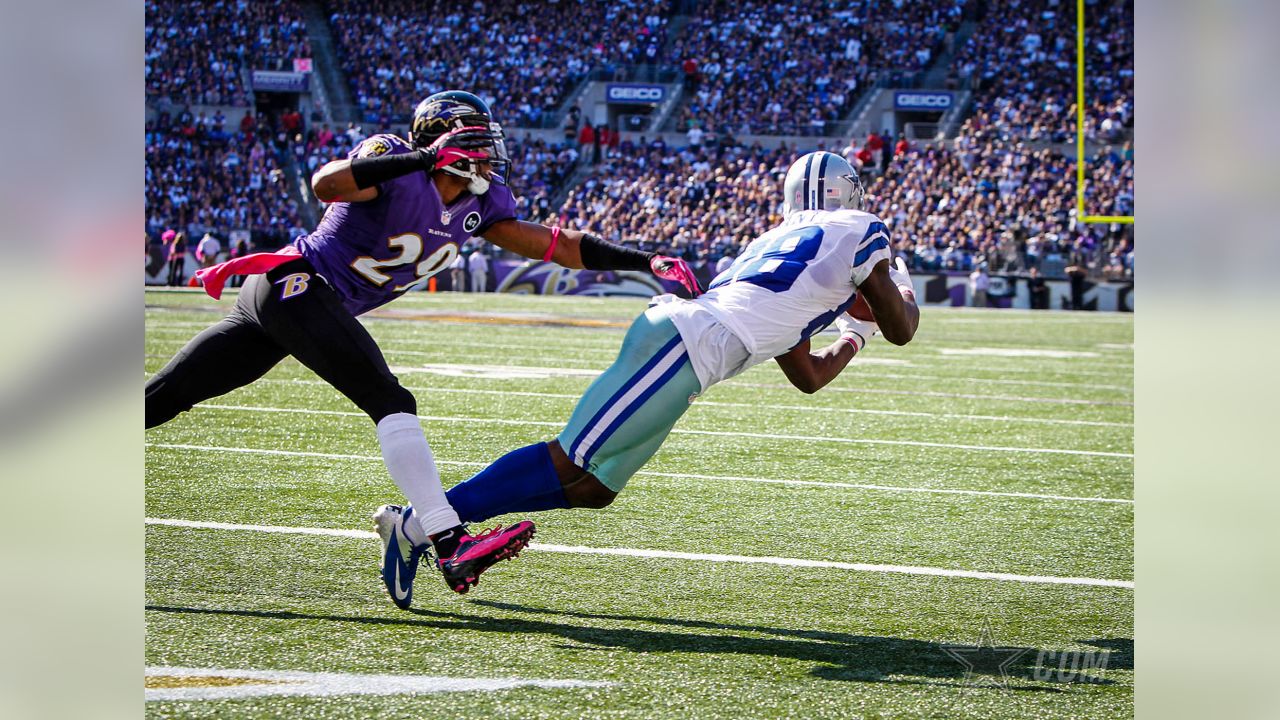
393 399
163 403
589 492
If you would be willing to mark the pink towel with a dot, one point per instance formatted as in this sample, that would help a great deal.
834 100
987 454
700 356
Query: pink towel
215 276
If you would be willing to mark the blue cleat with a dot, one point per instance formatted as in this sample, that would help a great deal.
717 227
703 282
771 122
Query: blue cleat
400 556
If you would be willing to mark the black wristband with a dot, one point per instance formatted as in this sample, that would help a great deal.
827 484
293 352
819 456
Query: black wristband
371 171
598 254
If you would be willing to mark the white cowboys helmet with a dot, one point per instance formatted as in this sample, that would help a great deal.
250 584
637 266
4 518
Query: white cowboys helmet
821 181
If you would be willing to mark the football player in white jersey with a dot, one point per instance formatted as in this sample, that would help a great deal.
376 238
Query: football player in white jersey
787 285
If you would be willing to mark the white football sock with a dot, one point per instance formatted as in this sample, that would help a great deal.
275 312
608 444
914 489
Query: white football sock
413 468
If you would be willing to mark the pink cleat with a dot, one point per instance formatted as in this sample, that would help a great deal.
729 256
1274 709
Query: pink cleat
477 553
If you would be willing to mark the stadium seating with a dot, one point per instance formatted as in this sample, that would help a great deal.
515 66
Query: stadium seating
200 53
201 179
519 55
1021 63
1002 191
696 203
760 67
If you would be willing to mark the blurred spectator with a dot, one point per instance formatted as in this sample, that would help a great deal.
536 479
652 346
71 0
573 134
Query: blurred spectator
207 250
570 124
478 265
979 283
1038 290
458 273
586 137
176 242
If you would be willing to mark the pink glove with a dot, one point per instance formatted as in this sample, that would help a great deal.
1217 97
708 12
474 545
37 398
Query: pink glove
669 268
461 144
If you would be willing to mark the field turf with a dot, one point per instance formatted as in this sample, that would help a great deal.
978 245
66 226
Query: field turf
996 442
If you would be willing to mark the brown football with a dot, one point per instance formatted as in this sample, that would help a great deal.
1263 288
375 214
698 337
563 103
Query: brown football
860 310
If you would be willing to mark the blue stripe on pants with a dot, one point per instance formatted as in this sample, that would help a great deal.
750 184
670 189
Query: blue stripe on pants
628 411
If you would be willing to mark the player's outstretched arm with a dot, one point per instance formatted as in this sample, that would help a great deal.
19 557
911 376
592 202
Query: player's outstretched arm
334 182
892 301
580 250
811 371
535 241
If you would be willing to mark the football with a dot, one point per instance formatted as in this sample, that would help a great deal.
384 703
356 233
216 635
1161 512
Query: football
860 310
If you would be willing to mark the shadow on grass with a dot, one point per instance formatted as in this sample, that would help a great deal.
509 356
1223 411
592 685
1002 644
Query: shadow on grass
837 656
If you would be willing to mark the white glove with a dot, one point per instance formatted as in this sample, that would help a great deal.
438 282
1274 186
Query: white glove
898 273
856 332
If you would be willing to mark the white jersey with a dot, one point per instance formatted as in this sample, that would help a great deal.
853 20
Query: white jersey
789 284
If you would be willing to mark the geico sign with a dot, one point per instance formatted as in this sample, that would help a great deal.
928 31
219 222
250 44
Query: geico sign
636 94
929 101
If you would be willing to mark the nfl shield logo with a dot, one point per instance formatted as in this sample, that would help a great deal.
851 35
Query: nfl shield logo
446 217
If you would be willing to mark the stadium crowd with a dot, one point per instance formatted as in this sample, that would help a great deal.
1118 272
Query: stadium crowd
700 203
1020 62
199 53
993 201
985 200
520 55
202 176
998 195
751 67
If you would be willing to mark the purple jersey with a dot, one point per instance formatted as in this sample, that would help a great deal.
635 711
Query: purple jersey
373 252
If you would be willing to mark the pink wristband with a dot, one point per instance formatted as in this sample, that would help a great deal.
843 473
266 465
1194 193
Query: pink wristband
851 341
555 239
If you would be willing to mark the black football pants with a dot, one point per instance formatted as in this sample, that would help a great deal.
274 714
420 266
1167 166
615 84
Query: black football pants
288 311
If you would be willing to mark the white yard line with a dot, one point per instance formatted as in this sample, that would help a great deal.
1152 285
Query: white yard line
705 557
930 393
677 476
713 433
716 403
719 404
184 683
608 352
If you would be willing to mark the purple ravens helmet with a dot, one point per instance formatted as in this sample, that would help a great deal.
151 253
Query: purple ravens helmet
453 109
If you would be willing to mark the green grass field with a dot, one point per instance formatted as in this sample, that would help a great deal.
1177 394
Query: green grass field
1025 417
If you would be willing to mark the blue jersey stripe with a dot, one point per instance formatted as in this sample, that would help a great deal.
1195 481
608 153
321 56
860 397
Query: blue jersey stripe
822 183
866 252
876 228
635 378
636 404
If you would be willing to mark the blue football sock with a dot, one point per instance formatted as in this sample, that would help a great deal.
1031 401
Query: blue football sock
523 480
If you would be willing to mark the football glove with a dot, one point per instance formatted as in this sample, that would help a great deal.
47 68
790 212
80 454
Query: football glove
669 268
856 331
462 144
898 273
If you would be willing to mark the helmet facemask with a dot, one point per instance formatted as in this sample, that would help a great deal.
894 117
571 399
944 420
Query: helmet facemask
452 110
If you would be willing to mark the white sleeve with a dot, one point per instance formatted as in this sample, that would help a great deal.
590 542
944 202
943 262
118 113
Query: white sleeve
873 248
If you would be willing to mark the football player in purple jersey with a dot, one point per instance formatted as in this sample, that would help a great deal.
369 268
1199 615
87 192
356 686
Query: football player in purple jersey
400 210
